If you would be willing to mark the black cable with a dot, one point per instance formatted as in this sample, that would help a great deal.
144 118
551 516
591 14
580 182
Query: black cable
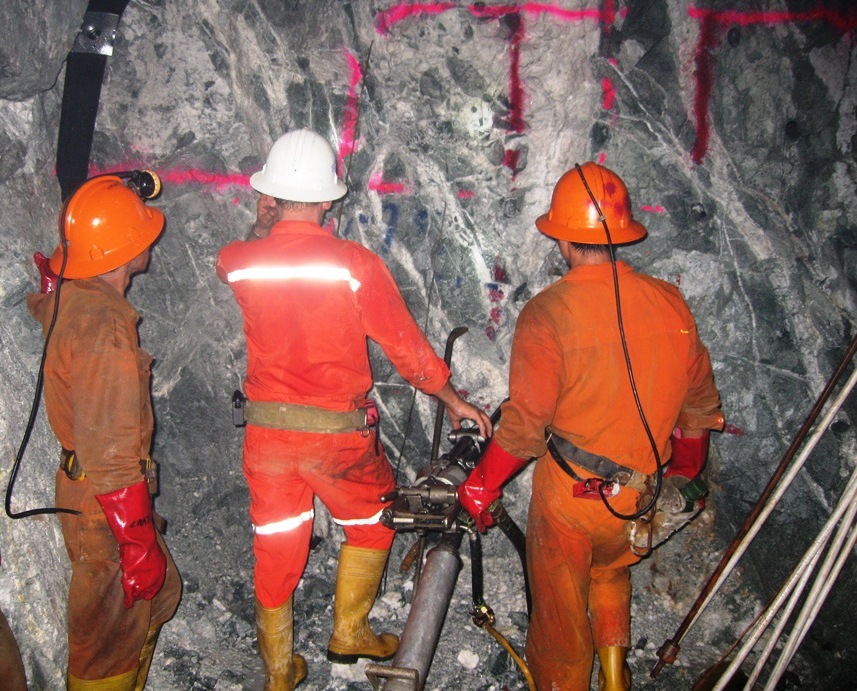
38 394
658 464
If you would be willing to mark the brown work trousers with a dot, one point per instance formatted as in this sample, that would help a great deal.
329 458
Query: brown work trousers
578 557
104 637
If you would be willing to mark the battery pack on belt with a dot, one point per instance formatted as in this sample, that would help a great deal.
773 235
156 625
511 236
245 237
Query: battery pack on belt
610 471
70 466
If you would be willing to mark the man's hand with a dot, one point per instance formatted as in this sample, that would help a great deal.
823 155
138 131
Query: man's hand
457 409
484 485
267 214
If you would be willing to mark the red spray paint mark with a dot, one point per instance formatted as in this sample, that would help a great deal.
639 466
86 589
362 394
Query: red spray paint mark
711 25
657 209
510 159
609 93
377 184
348 142
466 194
516 89
602 157
499 271
734 429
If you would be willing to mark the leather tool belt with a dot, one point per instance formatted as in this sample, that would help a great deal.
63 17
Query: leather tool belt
601 466
74 471
305 418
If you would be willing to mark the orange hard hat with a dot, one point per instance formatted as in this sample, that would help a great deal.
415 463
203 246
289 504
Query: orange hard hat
573 215
105 224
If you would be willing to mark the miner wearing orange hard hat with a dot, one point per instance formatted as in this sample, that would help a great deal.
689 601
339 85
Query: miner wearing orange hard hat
124 583
607 377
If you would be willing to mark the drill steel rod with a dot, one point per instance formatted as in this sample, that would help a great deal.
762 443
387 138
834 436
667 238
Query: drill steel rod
792 589
428 612
668 651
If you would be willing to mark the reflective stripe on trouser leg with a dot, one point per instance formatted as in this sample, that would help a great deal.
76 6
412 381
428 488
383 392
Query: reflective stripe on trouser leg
284 469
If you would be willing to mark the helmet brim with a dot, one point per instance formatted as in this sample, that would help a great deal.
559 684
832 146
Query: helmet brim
625 235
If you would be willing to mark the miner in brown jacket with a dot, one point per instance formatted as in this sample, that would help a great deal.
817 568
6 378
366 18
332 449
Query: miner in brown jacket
124 584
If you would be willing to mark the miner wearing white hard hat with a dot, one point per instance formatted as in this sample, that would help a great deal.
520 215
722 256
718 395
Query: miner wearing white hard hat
310 300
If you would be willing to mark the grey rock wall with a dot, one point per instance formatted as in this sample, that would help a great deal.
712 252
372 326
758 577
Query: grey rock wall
734 133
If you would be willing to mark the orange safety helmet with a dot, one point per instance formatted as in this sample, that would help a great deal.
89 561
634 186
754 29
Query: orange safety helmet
574 217
105 224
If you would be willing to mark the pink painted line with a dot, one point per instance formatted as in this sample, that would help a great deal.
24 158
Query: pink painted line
182 177
653 209
608 15
842 22
394 15
403 11
377 184
348 139
466 194
712 23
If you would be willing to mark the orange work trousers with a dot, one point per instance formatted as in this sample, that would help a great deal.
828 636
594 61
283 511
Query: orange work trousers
578 557
285 470
104 637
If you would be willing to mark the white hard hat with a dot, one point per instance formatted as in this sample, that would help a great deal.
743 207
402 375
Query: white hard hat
301 167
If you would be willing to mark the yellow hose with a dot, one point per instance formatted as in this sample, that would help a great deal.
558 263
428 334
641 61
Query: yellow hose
517 658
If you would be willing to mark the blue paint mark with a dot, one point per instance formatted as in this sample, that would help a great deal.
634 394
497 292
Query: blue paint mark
390 216
421 221
363 218
346 232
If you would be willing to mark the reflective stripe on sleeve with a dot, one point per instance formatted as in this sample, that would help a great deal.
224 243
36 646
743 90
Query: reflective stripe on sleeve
284 526
313 272
372 520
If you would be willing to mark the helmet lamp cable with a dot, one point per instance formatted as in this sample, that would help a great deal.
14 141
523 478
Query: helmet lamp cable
38 393
658 465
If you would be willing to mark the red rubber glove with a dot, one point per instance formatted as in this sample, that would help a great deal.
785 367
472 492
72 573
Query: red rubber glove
48 278
689 455
144 567
483 487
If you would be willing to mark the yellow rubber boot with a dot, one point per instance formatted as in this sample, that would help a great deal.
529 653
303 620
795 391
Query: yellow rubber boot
120 682
615 675
274 627
357 582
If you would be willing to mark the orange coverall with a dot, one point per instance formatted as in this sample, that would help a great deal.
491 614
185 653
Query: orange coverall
568 375
96 389
310 301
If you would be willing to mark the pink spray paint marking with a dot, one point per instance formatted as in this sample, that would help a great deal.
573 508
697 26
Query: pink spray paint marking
348 140
711 27
183 177
394 15
734 429
377 184
466 194
656 209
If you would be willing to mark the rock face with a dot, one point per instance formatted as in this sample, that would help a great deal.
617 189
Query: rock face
734 130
